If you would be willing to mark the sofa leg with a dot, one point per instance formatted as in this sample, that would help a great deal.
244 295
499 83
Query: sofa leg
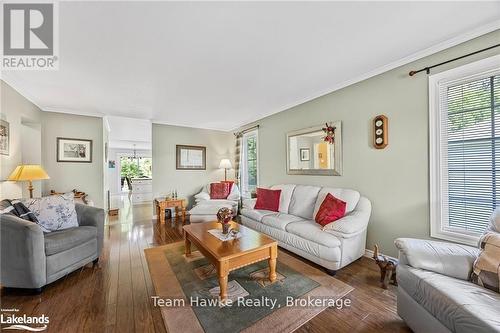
95 261
36 291
331 272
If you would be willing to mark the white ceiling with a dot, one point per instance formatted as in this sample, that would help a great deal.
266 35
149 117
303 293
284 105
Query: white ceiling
220 65
129 133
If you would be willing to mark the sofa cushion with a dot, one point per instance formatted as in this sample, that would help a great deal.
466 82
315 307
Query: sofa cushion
330 210
220 190
286 195
494 224
234 194
350 197
209 209
303 200
280 220
256 214
54 212
459 305
268 199
312 231
59 241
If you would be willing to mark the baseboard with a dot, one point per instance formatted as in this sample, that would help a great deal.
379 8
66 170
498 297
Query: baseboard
369 254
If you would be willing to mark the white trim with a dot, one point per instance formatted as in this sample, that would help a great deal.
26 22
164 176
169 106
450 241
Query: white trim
474 33
482 30
19 88
369 254
178 124
243 165
473 71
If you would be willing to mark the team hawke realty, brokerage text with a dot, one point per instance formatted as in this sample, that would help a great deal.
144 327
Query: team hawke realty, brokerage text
263 301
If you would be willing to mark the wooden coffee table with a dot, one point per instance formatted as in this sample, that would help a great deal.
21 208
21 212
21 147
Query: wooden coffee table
229 255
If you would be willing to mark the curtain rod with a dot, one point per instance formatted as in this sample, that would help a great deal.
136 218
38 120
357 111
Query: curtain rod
247 130
428 69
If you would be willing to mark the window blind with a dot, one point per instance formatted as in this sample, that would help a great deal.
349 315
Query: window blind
470 151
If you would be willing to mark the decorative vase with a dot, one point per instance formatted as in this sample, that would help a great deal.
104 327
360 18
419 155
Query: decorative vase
224 215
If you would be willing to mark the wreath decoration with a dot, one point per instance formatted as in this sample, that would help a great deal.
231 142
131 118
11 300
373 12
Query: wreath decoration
329 131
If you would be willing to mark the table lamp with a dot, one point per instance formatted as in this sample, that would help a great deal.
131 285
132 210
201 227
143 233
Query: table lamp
225 164
28 172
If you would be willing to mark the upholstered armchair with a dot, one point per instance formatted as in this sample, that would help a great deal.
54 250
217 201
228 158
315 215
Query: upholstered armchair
206 208
32 259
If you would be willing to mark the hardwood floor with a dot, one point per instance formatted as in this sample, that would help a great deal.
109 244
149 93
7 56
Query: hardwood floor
114 296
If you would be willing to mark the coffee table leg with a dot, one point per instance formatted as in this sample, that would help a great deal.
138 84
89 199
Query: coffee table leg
187 245
272 263
223 272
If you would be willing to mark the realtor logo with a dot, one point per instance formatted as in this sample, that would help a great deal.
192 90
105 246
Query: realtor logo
29 36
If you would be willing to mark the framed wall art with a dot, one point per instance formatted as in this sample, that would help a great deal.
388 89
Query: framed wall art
74 150
4 137
191 157
305 154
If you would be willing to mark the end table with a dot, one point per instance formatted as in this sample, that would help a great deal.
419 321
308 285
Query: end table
161 204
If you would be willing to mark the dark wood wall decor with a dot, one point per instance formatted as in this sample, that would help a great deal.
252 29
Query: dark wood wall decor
380 132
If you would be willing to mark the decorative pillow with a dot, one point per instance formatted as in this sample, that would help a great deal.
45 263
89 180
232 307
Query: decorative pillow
485 270
268 199
235 193
55 212
331 209
17 208
202 196
220 190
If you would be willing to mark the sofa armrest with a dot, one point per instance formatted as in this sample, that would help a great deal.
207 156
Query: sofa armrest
249 203
23 263
92 216
353 223
449 259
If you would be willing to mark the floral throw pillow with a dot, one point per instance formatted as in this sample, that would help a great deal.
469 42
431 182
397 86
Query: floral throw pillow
54 212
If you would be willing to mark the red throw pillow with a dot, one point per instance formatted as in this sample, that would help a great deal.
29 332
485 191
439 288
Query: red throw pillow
331 209
230 182
268 199
220 190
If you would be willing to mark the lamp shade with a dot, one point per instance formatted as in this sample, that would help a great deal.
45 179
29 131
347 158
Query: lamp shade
28 172
225 164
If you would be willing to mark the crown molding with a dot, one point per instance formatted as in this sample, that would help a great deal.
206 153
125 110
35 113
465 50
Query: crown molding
177 124
75 112
19 88
482 30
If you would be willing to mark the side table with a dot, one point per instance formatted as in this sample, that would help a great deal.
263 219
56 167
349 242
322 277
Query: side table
161 204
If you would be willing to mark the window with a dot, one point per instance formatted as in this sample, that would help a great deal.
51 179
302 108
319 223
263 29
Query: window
464 149
249 165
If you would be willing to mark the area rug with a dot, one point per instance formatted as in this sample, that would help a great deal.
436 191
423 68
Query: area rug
187 293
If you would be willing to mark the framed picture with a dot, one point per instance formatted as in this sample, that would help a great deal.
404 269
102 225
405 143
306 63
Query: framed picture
111 164
190 157
4 137
305 154
74 150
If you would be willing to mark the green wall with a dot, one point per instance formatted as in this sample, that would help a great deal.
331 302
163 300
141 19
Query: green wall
166 178
395 179
64 177
24 120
